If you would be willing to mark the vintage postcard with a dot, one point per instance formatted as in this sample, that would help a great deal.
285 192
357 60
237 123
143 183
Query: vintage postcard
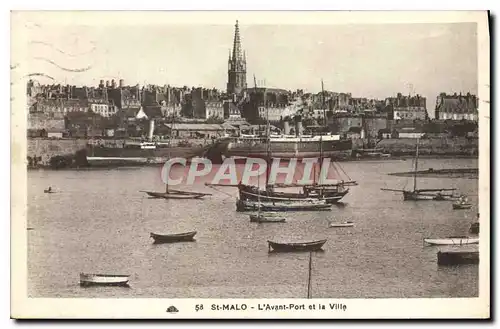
183 165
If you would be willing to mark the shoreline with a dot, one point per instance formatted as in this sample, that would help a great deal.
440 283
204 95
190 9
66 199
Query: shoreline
363 159
471 173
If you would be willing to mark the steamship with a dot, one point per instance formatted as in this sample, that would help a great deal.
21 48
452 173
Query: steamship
137 152
287 146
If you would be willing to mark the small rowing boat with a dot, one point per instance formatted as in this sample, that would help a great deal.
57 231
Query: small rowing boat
343 224
176 196
87 280
454 240
295 246
169 238
49 190
462 203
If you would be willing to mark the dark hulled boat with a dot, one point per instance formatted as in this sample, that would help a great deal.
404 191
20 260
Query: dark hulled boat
307 205
434 194
176 194
296 246
330 195
169 238
264 218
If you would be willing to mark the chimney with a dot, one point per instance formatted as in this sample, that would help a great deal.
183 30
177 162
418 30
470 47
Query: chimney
121 83
151 129
286 126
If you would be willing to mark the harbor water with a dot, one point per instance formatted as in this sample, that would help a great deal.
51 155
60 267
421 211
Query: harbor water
100 223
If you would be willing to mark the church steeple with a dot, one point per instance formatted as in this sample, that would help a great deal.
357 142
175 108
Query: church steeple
237 66
237 42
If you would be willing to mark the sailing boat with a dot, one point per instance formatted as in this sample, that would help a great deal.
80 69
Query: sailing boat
170 193
329 193
274 201
437 194
265 218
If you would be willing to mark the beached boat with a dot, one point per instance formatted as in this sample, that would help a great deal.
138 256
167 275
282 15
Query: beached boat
262 218
453 240
103 280
169 238
247 205
49 190
343 224
295 246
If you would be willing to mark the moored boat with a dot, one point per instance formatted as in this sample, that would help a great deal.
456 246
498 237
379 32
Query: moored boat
434 194
462 203
173 195
295 246
103 280
474 228
457 240
169 238
343 224
462 206
262 218
309 205
49 190
329 195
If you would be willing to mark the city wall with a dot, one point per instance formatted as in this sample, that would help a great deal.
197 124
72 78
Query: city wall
45 149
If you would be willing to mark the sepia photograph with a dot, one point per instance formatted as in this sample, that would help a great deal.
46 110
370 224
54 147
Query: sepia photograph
250 164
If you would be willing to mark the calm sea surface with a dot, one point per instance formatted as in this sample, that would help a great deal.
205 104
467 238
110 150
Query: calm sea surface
100 223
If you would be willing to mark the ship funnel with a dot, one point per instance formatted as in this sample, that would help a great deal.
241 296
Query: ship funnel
151 129
298 125
286 126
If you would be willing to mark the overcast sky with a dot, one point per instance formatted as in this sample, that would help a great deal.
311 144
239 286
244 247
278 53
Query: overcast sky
373 60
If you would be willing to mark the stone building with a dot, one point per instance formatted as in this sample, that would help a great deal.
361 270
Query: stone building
456 107
407 107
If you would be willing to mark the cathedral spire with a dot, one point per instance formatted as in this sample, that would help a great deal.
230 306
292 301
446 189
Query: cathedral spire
237 66
237 43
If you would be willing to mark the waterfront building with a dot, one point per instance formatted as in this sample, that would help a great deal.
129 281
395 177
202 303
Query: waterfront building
407 107
456 107
214 109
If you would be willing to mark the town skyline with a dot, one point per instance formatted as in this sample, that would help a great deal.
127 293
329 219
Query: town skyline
433 58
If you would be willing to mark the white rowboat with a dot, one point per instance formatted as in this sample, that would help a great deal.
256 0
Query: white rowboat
103 280
458 240
343 224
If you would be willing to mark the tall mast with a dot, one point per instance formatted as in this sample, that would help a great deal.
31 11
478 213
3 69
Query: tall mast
268 137
323 102
170 143
309 276
416 168
321 136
